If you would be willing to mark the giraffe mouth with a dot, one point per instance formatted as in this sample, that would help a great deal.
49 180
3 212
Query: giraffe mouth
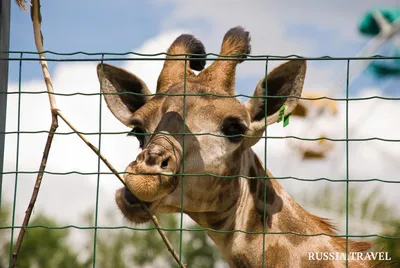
131 206
131 200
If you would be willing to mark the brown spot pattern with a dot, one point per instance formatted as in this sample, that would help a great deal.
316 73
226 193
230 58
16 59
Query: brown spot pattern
241 261
277 256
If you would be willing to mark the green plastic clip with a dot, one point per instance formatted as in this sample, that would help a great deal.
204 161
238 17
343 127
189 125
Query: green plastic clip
286 120
281 113
282 116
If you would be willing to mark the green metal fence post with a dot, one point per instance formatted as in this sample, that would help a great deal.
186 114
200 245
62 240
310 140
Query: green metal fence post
4 47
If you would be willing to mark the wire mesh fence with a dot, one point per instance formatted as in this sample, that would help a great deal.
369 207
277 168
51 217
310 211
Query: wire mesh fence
21 57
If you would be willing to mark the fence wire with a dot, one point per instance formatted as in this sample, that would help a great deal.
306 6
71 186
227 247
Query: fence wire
23 56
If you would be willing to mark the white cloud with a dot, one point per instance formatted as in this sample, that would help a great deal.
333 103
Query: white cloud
266 27
367 159
272 18
281 28
271 25
67 197
149 70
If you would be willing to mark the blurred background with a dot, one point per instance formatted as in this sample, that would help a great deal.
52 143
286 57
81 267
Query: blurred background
307 28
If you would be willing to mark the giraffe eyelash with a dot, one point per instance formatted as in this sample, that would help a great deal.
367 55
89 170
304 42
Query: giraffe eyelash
139 133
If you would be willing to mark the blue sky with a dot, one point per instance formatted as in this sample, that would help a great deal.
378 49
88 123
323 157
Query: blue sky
121 26
94 27
308 28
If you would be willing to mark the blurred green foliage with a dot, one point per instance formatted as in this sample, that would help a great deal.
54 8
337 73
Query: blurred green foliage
370 207
117 248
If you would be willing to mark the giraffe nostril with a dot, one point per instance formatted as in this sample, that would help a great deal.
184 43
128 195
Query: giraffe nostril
164 163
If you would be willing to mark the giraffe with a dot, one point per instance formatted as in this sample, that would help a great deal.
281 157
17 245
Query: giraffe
219 132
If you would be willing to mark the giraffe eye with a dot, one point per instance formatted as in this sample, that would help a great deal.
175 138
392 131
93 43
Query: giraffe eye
139 133
234 128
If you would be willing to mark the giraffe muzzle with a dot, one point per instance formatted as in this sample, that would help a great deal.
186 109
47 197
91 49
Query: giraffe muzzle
152 175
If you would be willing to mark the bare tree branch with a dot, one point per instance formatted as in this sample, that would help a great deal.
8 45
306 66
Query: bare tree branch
35 11
21 4
36 20
35 193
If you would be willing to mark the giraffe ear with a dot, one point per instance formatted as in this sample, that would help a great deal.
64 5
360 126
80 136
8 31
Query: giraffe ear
271 93
123 91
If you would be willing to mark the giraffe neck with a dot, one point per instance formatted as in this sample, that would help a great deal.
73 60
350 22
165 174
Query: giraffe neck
282 214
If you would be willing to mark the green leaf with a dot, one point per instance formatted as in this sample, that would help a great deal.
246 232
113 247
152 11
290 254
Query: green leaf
286 120
281 113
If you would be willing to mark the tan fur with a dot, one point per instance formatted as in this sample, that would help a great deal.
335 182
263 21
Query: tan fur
173 70
291 217
221 74
234 206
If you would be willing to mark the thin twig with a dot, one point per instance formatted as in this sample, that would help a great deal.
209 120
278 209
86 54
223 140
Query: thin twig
163 236
35 11
35 193
105 161
36 19
21 4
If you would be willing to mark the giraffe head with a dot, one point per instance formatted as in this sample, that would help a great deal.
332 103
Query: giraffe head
214 126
